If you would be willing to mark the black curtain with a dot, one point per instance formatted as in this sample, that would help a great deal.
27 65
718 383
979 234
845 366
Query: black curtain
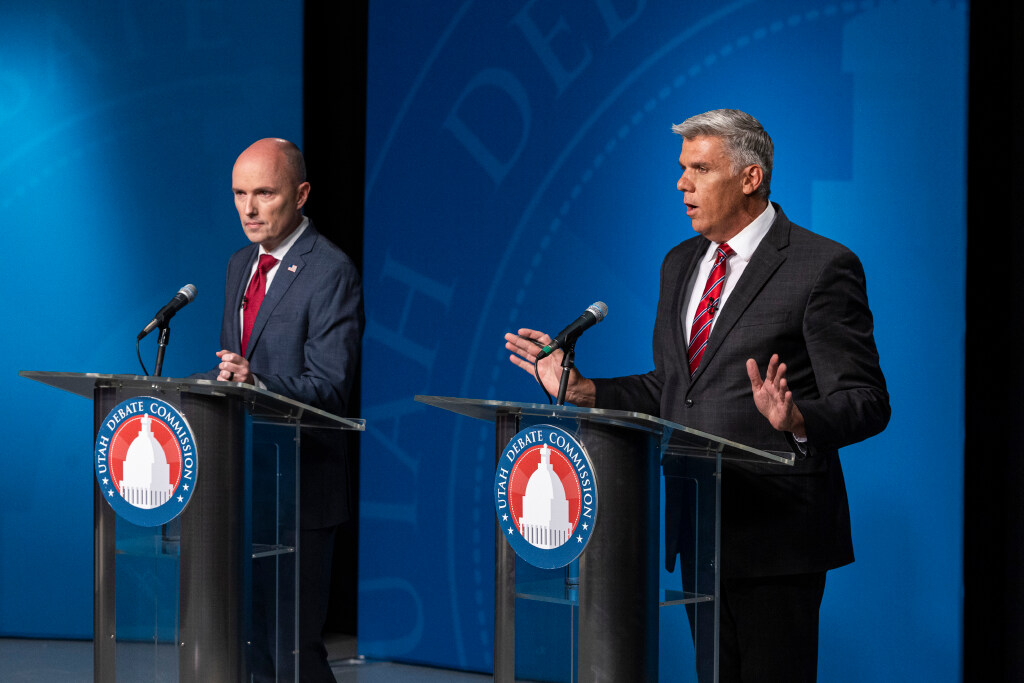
994 448
334 127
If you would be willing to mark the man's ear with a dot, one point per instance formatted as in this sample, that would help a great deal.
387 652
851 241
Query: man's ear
302 195
752 177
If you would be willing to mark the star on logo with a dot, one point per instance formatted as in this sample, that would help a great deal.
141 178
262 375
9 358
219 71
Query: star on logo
510 531
110 493
105 481
585 527
504 518
579 539
180 499
186 486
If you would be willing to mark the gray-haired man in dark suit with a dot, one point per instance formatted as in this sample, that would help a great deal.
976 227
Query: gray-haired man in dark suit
794 303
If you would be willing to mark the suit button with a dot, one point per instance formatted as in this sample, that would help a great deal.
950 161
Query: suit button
689 403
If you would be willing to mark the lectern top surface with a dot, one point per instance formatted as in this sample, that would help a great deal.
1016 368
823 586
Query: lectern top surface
262 404
676 438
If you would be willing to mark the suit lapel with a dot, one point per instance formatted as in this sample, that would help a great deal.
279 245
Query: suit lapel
291 265
763 264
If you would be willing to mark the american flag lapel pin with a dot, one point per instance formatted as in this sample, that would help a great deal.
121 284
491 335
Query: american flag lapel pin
292 269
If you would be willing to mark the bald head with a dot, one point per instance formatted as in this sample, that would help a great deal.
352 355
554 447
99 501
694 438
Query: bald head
278 152
269 182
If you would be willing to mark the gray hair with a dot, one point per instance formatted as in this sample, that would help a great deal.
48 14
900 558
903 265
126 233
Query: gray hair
746 141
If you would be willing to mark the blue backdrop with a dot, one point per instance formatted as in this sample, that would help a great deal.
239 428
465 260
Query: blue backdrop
119 124
520 166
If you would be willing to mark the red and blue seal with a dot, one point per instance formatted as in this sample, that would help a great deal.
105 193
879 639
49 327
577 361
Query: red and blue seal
545 496
146 461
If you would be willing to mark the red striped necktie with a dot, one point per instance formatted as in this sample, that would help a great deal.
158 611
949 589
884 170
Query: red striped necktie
709 304
254 294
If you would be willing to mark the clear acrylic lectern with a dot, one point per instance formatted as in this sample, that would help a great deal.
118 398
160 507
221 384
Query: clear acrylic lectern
612 605
176 602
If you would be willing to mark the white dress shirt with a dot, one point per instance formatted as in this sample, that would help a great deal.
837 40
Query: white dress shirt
279 253
744 244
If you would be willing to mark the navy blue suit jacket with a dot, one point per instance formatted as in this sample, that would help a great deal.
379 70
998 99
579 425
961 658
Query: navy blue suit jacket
305 345
803 297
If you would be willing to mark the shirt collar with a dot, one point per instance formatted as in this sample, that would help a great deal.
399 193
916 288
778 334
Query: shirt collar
282 249
746 241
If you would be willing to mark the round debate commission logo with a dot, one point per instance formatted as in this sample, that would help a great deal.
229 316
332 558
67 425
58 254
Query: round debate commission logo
146 461
545 496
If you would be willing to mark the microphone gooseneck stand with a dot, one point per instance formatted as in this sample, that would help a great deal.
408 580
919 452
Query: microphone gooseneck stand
568 360
165 335
572 570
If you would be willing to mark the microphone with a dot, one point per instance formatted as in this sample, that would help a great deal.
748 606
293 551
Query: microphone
184 296
594 314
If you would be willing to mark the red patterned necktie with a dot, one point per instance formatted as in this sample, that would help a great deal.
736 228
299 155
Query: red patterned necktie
254 297
709 304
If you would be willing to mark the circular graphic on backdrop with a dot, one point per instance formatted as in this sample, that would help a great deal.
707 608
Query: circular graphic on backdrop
545 496
146 461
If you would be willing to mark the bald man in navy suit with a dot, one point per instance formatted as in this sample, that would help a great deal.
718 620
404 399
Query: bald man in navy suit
303 343
791 302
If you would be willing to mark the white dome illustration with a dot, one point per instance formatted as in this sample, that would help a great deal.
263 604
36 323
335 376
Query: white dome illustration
146 476
545 520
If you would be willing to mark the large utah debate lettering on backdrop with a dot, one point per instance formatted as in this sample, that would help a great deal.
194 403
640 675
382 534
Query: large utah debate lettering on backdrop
520 166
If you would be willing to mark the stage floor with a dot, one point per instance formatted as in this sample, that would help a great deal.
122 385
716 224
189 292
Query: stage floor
24 660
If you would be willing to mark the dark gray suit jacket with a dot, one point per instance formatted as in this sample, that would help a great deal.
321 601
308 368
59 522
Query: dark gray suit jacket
802 296
305 345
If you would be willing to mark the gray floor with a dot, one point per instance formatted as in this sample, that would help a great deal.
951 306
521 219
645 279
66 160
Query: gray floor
70 661
349 668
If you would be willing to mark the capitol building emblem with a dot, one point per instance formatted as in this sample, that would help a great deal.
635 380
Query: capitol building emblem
145 460
546 496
